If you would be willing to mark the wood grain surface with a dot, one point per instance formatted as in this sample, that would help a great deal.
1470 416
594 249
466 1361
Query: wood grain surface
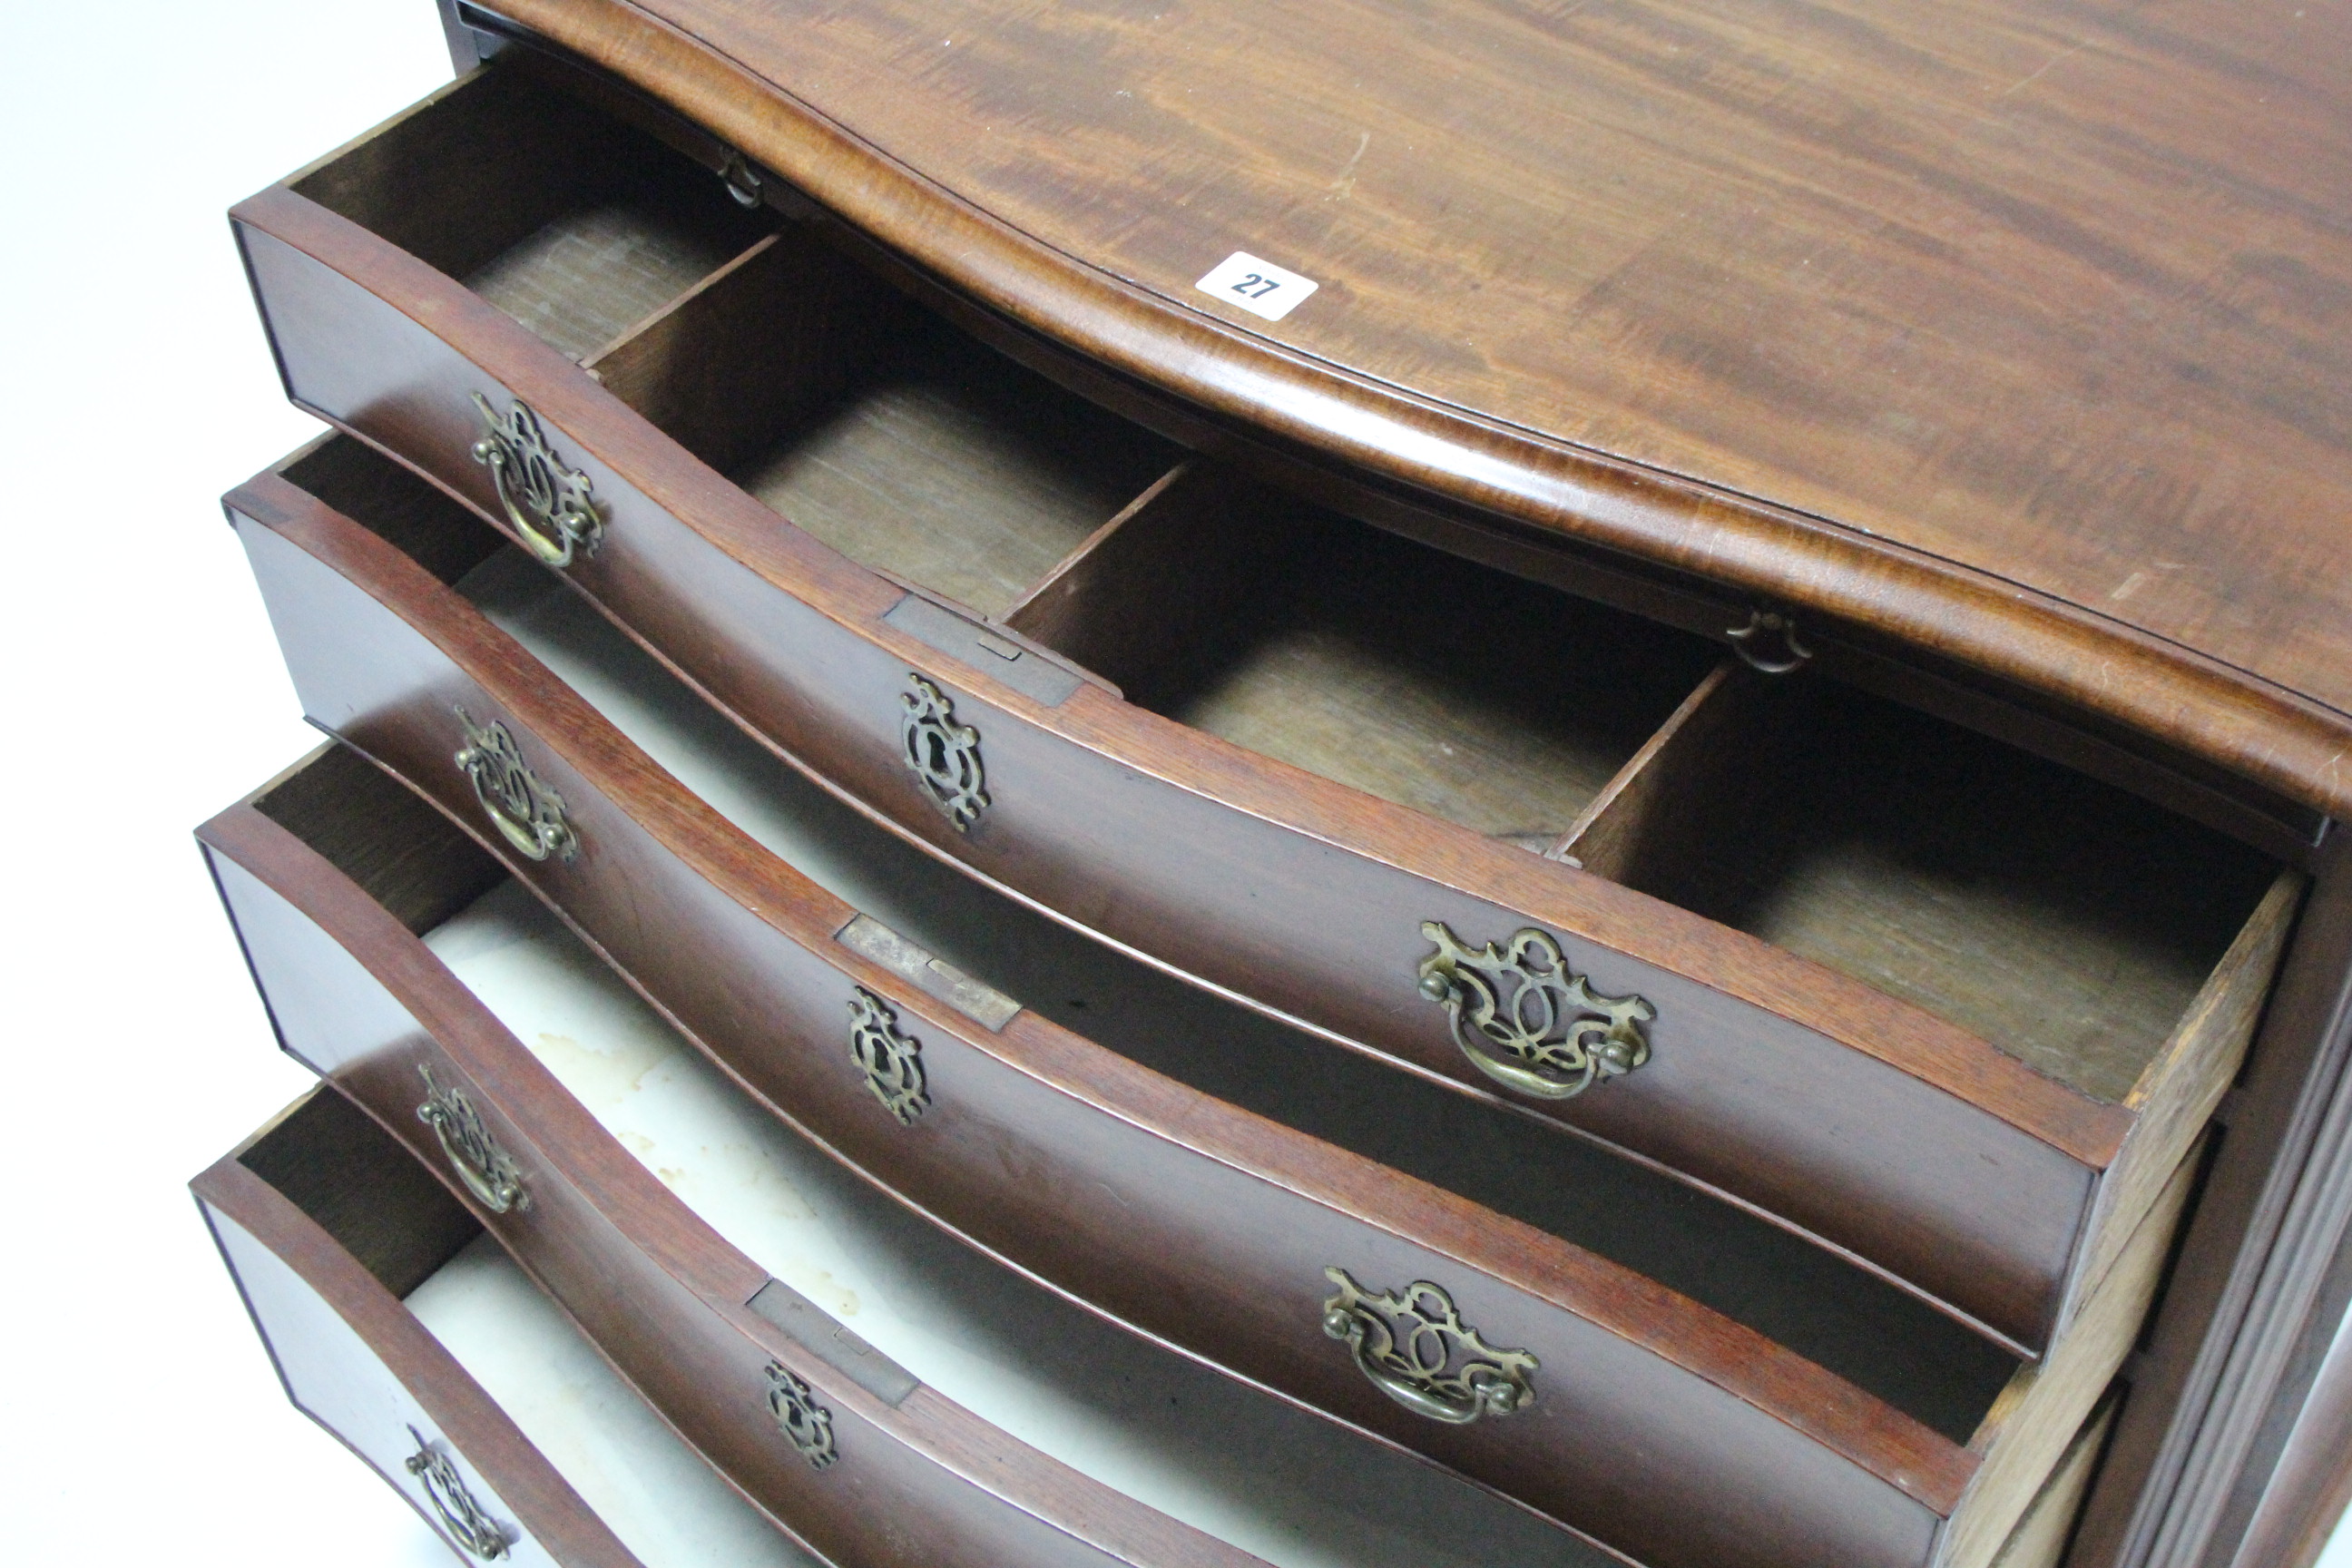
659 1292
1956 1168
1273 623
2015 330
1100 1178
383 1359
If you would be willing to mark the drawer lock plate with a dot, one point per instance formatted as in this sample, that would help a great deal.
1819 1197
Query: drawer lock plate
800 1417
891 1059
1414 1347
944 754
1526 1021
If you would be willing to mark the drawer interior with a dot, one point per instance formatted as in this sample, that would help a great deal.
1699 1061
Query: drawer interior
394 1218
860 416
2061 918
1408 673
570 221
1850 1321
2064 920
363 1188
870 423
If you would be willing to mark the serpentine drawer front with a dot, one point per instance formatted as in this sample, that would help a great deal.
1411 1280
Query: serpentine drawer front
1605 1399
395 1327
1534 847
839 1447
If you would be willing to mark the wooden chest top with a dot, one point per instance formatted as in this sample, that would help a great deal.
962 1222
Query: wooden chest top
2018 331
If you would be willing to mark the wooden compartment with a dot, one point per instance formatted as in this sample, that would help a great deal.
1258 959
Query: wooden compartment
1364 658
2065 920
860 416
572 222
397 1326
690 893
873 425
1344 777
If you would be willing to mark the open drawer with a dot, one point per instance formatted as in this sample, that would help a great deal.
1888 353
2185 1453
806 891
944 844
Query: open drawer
835 1443
1365 786
396 1325
1177 1163
602 1145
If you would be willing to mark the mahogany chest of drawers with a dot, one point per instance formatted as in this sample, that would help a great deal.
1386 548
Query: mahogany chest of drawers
1637 870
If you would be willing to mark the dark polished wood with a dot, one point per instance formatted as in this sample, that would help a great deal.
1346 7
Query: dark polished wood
920 1481
325 1224
1133 1194
1921 1148
2001 349
2303 1506
2011 337
2261 1285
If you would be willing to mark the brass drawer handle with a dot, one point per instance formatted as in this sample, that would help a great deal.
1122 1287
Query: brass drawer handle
466 1521
1769 642
944 754
891 1059
800 1417
527 813
1414 1347
743 181
1526 1021
547 503
479 1160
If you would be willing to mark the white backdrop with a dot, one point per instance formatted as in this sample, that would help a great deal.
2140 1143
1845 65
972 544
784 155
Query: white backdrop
142 1423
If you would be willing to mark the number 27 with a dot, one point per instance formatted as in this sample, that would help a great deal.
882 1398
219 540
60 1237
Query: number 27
1255 287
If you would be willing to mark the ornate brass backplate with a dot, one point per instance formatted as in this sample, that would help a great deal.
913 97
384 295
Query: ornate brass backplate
891 1060
547 502
944 754
1526 1021
468 1525
479 1160
527 813
1416 1349
801 1418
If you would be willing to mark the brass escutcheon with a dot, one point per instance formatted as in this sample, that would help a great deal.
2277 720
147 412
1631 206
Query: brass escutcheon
476 1156
468 1524
891 1059
547 502
1526 1021
1414 1347
527 813
943 755
800 1417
